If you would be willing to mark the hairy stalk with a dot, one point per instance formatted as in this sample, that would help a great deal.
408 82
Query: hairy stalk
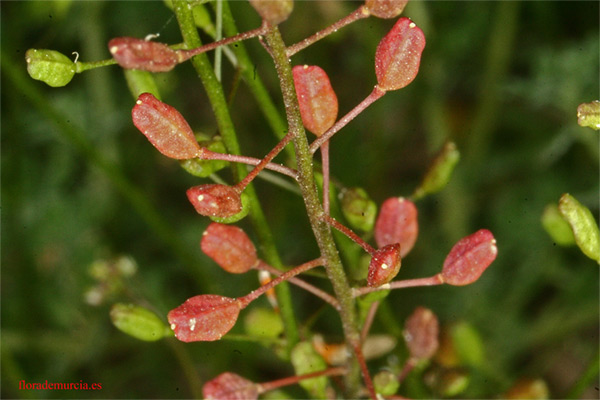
227 130
322 232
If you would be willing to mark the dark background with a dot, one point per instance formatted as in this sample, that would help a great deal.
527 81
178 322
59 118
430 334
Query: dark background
501 79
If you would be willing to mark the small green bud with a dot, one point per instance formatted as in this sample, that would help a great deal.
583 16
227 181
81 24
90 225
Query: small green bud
305 360
358 209
588 115
235 217
438 174
263 322
140 82
205 168
138 322
453 382
556 226
49 66
386 383
583 225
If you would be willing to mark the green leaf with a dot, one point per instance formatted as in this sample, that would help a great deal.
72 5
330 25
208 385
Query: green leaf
583 225
440 171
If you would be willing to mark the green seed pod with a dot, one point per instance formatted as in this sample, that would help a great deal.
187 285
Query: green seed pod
588 115
438 174
386 383
49 66
305 360
358 209
453 382
235 217
140 82
467 343
556 226
583 224
138 322
263 322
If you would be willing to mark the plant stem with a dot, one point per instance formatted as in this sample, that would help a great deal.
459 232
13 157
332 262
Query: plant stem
300 283
264 162
359 13
365 370
321 230
209 155
369 320
244 301
377 93
348 232
255 84
219 104
430 281
291 380
325 170
84 66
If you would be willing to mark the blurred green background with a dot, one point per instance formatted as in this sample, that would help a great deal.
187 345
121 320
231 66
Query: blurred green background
80 185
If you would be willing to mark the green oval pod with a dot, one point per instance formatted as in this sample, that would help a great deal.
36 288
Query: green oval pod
138 322
305 360
556 226
49 66
386 383
140 82
205 168
439 173
263 322
583 224
358 209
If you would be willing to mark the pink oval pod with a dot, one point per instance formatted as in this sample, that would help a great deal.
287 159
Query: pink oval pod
230 247
469 258
398 55
385 8
165 128
215 200
204 318
230 386
385 265
133 53
397 223
421 333
317 100
273 11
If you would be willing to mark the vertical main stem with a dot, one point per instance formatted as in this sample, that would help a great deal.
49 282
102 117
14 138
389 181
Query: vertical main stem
218 102
322 232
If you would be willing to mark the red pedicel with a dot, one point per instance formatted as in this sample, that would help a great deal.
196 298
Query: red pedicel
165 128
421 333
133 53
384 265
215 200
204 318
398 55
386 8
230 386
397 223
317 100
230 247
469 258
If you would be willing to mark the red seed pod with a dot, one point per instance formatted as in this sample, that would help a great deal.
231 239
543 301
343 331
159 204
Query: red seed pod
469 258
230 386
398 55
385 265
204 318
165 128
133 53
421 333
386 8
273 11
317 100
397 223
214 200
230 247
